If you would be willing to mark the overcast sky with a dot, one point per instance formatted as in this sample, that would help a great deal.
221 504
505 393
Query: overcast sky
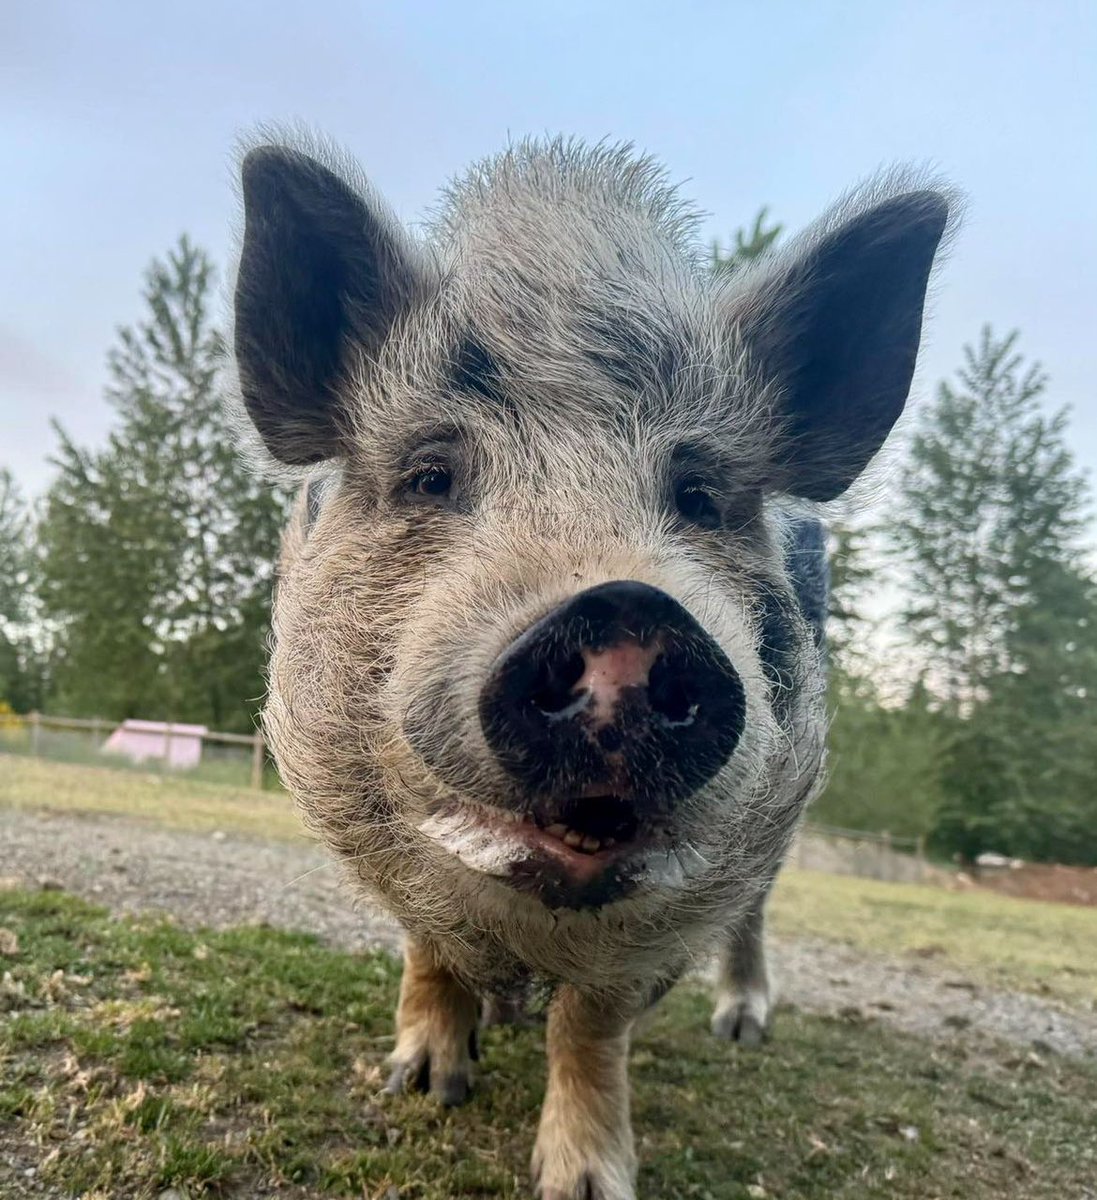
117 122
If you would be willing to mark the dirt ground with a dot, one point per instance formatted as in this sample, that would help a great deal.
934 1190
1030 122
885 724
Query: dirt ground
221 880
1039 881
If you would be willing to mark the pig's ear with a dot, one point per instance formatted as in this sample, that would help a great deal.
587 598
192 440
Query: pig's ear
324 273
835 326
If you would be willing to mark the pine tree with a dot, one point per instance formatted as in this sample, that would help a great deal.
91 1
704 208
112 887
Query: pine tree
14 550
19 667
159 550
991 511
991 505
747 246
850 577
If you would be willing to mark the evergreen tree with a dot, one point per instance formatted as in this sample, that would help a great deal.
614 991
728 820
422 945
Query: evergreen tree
885 761
158 551
19 673
850 577
991 510
747 246
14 551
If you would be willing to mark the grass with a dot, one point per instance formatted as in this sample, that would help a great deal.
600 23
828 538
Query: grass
136 1056
1034 946
998 940
171 801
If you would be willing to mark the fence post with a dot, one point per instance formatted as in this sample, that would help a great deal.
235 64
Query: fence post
167 745
257 761
920 853
35 719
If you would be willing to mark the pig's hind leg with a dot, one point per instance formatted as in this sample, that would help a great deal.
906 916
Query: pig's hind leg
743 990
436 1021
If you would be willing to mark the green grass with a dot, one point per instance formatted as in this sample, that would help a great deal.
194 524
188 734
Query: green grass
1048 949
135 1056
172 801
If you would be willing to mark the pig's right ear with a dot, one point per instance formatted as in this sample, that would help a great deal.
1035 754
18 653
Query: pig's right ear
324 274
835 326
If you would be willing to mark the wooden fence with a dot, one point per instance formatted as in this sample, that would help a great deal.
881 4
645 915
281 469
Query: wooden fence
98 728
863 852
885 840
884 846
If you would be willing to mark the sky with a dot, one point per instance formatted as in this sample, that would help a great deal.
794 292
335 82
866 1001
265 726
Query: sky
117 123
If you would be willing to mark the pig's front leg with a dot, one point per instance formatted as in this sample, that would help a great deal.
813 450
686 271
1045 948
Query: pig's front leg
743 992
584 1145
435 1030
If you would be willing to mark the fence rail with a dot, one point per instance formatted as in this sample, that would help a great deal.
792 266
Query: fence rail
885 846
916 845
35 722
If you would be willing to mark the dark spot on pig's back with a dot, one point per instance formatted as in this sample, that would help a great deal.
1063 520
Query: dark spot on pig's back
786 654
779 647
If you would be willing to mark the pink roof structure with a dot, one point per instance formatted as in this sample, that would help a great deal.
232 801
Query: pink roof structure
178 745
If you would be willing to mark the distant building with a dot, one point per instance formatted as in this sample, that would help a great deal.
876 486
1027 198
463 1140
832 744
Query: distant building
139 741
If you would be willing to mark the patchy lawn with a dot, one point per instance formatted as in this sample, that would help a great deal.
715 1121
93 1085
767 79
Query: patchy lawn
136 1057
1028 945
1037 947
174 801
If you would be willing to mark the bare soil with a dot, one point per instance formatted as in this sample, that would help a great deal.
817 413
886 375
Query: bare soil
1044 881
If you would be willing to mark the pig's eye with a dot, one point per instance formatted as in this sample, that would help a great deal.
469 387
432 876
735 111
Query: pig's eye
431 480
696 504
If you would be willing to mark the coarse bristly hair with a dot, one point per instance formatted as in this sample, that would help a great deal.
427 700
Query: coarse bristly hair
556 331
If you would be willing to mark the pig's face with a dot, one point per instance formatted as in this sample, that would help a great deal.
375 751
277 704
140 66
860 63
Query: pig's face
536 647
558 632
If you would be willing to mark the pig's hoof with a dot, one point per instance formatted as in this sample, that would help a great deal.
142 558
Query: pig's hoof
743 1019
565 1172
445 1071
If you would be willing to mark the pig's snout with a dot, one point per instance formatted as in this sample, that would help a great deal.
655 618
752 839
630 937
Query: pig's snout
619 690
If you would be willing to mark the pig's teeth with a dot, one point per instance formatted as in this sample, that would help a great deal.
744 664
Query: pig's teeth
590 844
557 831
571 838
609 842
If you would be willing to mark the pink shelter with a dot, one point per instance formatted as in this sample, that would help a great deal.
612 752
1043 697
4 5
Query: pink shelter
177 745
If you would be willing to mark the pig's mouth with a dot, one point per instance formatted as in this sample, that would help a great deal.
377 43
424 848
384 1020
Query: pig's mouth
579 853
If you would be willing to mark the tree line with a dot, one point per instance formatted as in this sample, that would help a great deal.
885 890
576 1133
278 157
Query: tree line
140 585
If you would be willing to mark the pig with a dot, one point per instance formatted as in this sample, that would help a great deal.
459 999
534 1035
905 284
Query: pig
546 672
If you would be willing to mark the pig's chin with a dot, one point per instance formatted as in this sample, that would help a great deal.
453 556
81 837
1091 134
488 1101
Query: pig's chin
559 864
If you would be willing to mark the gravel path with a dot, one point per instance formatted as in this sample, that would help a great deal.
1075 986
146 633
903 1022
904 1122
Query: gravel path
221 880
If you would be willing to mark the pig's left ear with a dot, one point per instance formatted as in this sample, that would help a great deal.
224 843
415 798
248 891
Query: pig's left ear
325 273
834 326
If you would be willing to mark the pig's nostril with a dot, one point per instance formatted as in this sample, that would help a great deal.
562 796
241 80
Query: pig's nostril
668 694
553 691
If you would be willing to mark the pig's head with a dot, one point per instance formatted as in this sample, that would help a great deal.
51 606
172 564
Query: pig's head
536 652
